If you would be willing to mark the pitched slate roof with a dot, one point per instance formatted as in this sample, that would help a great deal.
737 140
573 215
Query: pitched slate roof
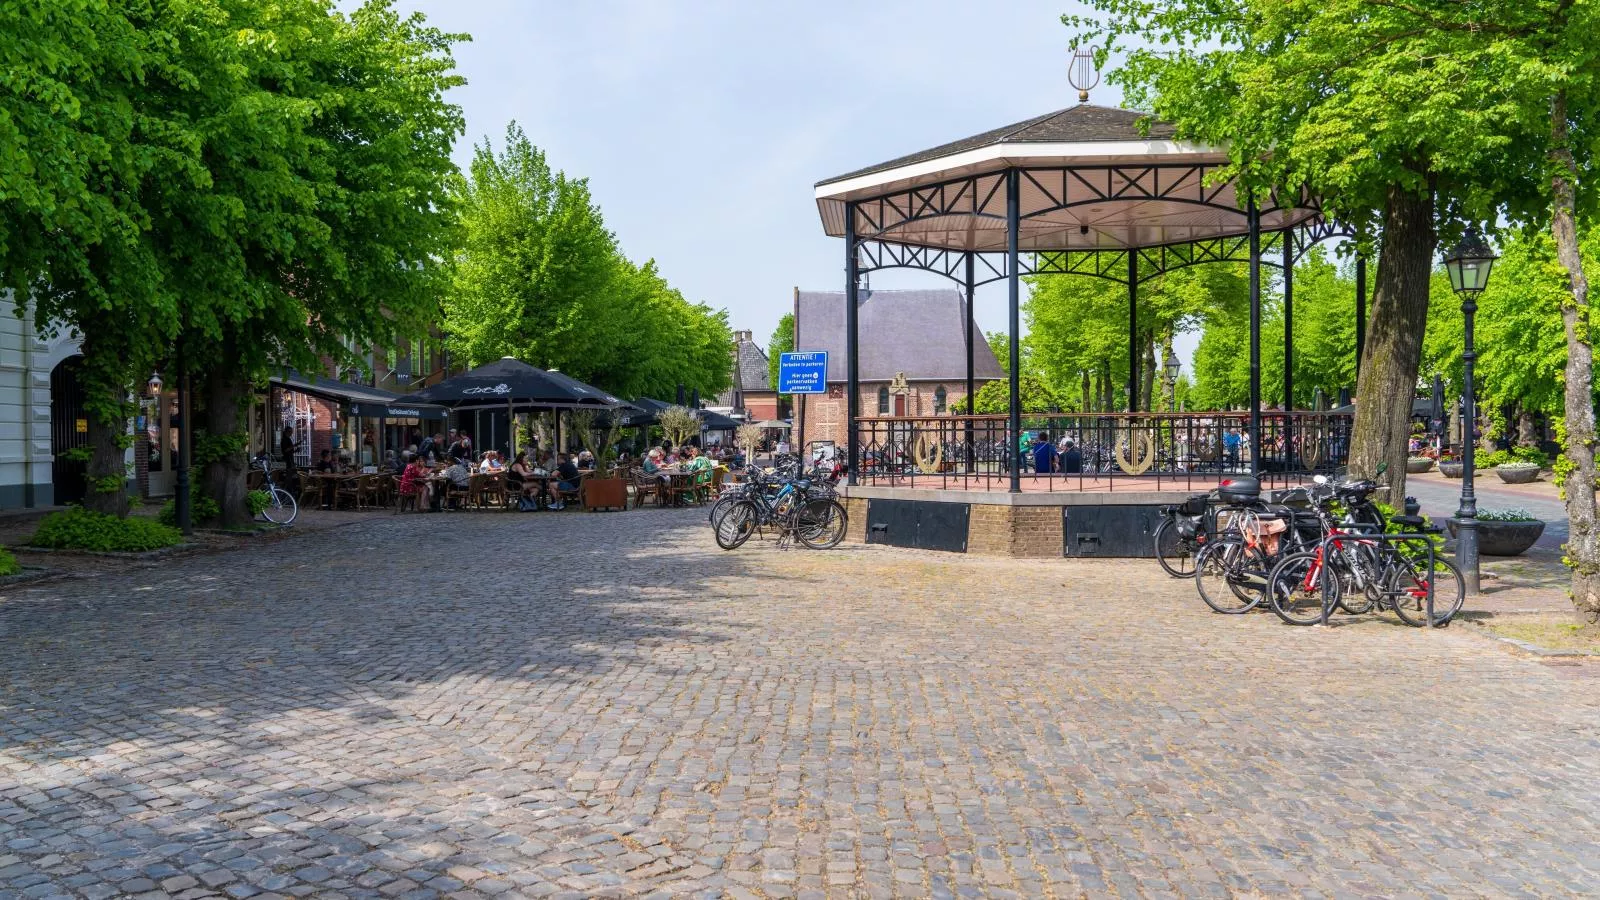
1076 124
750 370
918 332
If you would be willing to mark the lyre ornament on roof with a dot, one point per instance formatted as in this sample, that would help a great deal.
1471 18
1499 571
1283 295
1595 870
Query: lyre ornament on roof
1082 73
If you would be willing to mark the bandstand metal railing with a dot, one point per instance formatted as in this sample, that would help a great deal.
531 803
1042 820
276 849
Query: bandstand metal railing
1109 451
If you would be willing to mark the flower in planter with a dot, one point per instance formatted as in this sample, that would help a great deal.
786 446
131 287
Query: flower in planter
1506 515
1518 465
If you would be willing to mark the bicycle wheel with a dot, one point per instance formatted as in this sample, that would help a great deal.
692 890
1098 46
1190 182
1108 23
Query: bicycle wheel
720 508
1351 600
1296 588
282 508
821 524
1407 588
1229 574
1175 554
736 525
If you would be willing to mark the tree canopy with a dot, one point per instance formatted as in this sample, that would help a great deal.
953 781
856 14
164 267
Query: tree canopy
541 278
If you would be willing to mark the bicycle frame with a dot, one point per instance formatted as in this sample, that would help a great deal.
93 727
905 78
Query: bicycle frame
1336 541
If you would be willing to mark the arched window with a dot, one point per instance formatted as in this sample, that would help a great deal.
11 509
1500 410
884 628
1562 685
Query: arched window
939 397
883 401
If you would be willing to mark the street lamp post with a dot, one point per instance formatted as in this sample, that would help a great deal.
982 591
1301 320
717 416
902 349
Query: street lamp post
1469 265
1172 366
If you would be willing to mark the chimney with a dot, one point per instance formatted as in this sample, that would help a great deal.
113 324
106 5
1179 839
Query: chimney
741 336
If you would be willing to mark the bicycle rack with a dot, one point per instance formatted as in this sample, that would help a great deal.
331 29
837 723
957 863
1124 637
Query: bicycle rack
1327 571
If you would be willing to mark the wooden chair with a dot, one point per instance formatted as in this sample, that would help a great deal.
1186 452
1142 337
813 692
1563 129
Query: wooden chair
705 490
475 485
644 486
679 487
493 491
409 499
574 495
255 480
310 491
458 496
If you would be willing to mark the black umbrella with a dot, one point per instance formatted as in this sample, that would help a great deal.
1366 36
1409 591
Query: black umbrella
1436 413
509 382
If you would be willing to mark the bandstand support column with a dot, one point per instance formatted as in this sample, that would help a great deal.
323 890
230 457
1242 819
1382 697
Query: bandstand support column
971 381
852 339
1288 350
1013 291
1133 330
1254 216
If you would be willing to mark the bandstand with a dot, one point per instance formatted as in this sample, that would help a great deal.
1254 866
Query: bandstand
1091 191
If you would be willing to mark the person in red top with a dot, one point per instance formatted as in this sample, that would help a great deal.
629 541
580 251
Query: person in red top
413 478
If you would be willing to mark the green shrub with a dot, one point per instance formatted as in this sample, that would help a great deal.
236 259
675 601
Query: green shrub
8 563
201 509
1514 455
80 529
259 500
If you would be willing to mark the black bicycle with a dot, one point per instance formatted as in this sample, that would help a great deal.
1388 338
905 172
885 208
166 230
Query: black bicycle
794 511
1183 531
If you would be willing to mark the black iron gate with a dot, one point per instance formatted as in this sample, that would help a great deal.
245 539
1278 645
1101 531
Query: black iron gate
69 428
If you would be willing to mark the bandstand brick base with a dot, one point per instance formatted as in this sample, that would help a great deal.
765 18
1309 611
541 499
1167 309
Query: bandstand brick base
1021 526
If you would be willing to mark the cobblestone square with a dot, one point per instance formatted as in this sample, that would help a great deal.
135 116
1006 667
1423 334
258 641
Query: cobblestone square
584 705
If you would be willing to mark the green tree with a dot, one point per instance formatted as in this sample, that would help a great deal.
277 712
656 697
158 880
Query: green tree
1349 100
539 277
328 220
86 141
781 342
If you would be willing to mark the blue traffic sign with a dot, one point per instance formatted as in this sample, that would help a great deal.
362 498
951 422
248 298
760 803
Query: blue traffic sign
805 372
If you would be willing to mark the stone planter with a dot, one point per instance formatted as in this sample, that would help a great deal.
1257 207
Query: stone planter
1503 538
1521 475
1417 466
1450 468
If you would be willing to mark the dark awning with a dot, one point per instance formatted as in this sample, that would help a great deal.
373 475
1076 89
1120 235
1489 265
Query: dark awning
359 399
511 382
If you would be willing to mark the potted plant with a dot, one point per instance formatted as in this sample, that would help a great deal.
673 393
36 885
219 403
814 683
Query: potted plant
1416 465
1450 467
1504 532
606 488
1518 472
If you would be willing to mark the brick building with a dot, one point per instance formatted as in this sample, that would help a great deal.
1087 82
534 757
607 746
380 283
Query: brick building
918 334
751 395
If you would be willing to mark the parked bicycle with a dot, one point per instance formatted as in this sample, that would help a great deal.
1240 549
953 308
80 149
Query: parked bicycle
795 508
281 508
1359 568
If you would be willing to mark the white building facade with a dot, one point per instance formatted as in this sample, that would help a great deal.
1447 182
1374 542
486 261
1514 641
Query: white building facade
28 470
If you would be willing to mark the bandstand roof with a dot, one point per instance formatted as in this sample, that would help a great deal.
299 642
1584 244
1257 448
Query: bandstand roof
1091 178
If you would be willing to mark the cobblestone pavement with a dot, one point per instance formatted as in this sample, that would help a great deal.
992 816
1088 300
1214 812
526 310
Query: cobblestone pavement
589 704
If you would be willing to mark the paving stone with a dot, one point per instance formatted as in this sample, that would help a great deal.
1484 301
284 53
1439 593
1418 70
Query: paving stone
316 716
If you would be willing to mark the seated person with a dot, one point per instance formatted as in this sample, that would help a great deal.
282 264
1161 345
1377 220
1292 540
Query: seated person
701 466
325 466
520 475
566 481
491 462
457 475
585 460
413 477
325 462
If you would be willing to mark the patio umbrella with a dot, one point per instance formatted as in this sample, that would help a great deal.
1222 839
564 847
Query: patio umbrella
1436 410
511 383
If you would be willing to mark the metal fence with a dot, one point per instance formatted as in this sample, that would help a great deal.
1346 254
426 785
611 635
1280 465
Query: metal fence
1109 451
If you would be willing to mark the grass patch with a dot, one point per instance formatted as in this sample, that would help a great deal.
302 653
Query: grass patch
8 563
1555 632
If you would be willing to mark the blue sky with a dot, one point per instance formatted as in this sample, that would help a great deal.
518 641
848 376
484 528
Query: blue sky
703 126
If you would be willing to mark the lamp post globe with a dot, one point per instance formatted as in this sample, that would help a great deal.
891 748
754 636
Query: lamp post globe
1468 265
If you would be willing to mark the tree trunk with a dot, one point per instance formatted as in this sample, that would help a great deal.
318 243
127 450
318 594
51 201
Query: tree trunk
1083 387
1527 435
1583 540
1108 399
1169 388
108 430
1393 351
223 479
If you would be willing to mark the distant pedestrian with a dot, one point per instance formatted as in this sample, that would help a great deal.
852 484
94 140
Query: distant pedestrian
1071 459
1044 454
